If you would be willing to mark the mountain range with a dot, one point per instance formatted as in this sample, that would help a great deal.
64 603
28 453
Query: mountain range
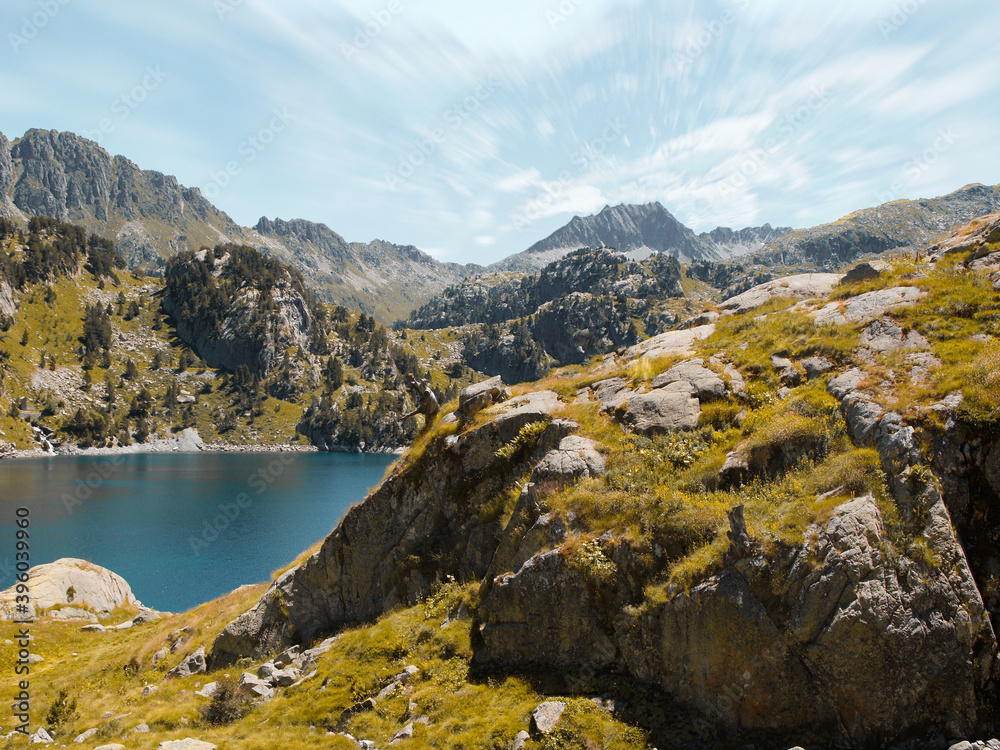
151 217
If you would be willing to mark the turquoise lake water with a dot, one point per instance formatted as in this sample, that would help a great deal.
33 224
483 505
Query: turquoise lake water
181 528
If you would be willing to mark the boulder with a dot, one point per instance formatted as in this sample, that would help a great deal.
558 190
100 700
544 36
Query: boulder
801 286
405 733
884 336
872 269
701 381
193 664
670 343
660 411
575 459
478 396
185 744
546 716
816 366
866 307
112 746
208 690
94 628
146 616
41 737
70 582
86 735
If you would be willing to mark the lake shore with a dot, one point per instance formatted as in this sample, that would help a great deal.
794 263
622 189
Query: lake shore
186 441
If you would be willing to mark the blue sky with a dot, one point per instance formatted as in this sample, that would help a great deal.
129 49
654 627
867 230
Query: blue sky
471 130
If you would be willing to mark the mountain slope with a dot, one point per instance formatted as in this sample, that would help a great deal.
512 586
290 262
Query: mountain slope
151 217
900 224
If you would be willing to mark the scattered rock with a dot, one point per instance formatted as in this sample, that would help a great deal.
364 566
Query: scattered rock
546 716
41 737
185 744
520 740
845 383
866 307
660 411
885 336
872 269
112 746
209 690
405 733
816 366
802 286
148 690
701 381
670 343
193 664
86 735
575 459
140 728
147 615
478 396
94 628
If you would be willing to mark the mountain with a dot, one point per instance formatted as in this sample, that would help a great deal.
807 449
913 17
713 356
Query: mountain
151 217
897 225
732 243
631 229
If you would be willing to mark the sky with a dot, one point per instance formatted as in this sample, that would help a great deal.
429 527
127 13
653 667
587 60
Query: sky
472 130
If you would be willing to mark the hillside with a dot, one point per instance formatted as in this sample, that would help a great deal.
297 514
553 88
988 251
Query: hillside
583 304
899 225
151 217
230 342
777 528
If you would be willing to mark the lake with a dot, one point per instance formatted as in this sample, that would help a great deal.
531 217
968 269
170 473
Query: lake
181 528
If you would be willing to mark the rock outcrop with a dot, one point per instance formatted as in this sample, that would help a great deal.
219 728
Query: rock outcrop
69 582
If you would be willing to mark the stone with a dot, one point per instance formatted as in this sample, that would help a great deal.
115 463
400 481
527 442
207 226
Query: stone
85 735
520 740
613 392
862 415
193 664
147 615
884 336
660 411
284 677
287 657
405 733
546 716
41 737
140 728
816 366
112 746
866 307
800 286
703 383
148 690
185 744
265 670
872 269
545 596
845 383
963 745
478 396
575 459
94 628
70 581
71 613
670 343
208 690
735 469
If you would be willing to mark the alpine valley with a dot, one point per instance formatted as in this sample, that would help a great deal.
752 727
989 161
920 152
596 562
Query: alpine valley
730 489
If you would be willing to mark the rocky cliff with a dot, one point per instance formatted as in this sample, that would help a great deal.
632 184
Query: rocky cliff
605 521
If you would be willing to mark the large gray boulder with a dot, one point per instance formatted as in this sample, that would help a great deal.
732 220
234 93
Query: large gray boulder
70 581
800 286
698 380
660 411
